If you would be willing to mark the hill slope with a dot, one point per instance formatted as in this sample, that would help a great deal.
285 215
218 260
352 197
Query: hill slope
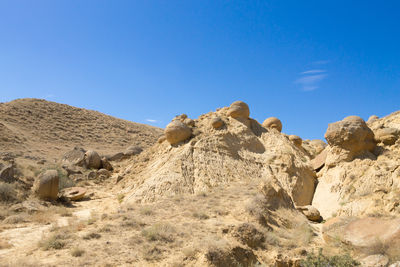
35 127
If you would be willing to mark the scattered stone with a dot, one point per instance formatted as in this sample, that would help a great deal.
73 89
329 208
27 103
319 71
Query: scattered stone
74 193
75 157
273 123
105 164
133 150
239 109
47 185
116 157
7 173
217 123
310 212
189 122
319 161
297 141
92 160
284 261
103 172
71 169
176 132
387 136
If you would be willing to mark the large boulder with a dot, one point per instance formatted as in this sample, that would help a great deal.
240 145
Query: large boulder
133 150
46 186
176 132
92 160
239 109
217 122
349 138
319 161
310 212
76 156
273 123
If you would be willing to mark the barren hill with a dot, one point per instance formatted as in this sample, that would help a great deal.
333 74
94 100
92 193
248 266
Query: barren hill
44 129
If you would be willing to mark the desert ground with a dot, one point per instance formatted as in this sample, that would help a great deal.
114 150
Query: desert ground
81 188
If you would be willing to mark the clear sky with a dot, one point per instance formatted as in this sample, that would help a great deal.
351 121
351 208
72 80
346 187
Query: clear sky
308 63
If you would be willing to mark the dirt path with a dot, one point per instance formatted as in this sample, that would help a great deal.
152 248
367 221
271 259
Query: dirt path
24 238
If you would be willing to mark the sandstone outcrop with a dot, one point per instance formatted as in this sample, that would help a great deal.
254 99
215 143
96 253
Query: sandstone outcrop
176 132
273 123
241 151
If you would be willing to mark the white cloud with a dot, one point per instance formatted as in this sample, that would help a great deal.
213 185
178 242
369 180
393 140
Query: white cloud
313 71
310 82
151 120
320 62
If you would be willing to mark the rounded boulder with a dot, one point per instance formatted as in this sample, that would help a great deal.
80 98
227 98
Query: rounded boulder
47 185
176 132
217 123
92 160
297 141
239 109
273 123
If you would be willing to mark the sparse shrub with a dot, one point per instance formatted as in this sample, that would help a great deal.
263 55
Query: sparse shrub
201 215
7 192
77 252
320 260
159 232
120 197
55 241
146 211
92 236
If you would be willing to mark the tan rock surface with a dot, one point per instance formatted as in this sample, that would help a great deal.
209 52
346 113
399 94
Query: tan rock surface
273 123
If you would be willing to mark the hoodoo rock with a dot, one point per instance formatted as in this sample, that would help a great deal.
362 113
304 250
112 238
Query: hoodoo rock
273 123
239 109
47 185
176 132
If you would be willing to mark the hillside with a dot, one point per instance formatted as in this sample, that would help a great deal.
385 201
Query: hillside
45 130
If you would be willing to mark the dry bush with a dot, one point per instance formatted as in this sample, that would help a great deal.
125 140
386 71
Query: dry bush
200 215
147 210
92 235
159 232
18 218
7 192
58 238
77 252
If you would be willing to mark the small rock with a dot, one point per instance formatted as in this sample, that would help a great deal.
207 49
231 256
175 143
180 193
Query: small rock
310 212
217 123
133 150
297 141
161 139
105 164
189 122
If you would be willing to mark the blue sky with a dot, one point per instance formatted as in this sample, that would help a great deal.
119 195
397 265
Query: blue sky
308 63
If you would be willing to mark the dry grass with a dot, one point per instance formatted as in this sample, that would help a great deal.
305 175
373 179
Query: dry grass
159 232
54 241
